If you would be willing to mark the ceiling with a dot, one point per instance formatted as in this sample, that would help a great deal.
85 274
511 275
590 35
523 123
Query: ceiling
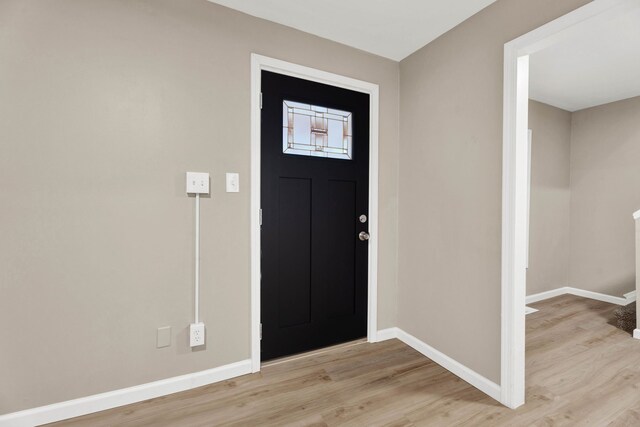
390 28
599 63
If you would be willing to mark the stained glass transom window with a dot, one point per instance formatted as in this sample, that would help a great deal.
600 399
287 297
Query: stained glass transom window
312 130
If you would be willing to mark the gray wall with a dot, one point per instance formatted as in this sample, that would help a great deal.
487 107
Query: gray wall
104 105
451 182
584 188
550 198
605 191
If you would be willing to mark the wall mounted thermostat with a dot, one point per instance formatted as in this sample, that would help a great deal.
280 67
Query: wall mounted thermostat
197 183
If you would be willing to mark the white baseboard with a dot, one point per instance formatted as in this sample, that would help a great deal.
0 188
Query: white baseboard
546 295
628 298
636 334
601 297
478 381
112 399
387 334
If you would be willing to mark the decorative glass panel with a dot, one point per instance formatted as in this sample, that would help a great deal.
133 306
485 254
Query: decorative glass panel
311 130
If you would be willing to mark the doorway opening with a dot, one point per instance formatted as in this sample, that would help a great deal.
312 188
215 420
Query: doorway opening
515 178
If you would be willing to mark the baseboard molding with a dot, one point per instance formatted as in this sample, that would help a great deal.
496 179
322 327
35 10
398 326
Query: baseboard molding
601 297
387 334
636 334
478 381
546 295
627 298
112 399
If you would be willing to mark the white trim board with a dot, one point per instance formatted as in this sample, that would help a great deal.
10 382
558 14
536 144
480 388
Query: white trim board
628 298
530 299
387 334
112 399
259 63
636 334
514 182
458 369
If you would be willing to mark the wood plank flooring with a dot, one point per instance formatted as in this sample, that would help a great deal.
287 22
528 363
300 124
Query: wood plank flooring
581 370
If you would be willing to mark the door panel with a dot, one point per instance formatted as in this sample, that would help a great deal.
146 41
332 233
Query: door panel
340 270
314 173
294 260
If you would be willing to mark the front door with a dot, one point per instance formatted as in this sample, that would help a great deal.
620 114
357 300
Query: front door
314 200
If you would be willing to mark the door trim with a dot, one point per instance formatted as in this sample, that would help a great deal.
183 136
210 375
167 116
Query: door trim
514 182
259 63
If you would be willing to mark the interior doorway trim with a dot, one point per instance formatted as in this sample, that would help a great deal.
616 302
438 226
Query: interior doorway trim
514 182
258 64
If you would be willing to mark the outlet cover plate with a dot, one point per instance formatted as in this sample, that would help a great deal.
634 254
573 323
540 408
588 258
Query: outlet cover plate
233 183
197 183
163 337
196 334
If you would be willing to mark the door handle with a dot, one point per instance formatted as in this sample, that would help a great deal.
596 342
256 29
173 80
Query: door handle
363 236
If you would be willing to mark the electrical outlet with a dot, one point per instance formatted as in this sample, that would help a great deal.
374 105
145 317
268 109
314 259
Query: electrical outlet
197 182
196 334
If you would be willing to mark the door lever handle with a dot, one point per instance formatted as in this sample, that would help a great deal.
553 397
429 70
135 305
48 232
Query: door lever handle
363 236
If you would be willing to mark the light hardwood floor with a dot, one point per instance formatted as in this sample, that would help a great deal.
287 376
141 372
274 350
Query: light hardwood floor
581 370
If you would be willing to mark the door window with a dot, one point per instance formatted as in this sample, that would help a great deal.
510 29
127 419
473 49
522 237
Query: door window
313 130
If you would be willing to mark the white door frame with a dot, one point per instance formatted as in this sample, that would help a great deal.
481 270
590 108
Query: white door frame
259 63
514 182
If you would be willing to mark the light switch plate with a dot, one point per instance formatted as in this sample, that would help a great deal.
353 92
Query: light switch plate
197 183
233 183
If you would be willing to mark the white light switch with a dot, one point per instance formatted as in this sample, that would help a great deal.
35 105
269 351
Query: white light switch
197 182
233 183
